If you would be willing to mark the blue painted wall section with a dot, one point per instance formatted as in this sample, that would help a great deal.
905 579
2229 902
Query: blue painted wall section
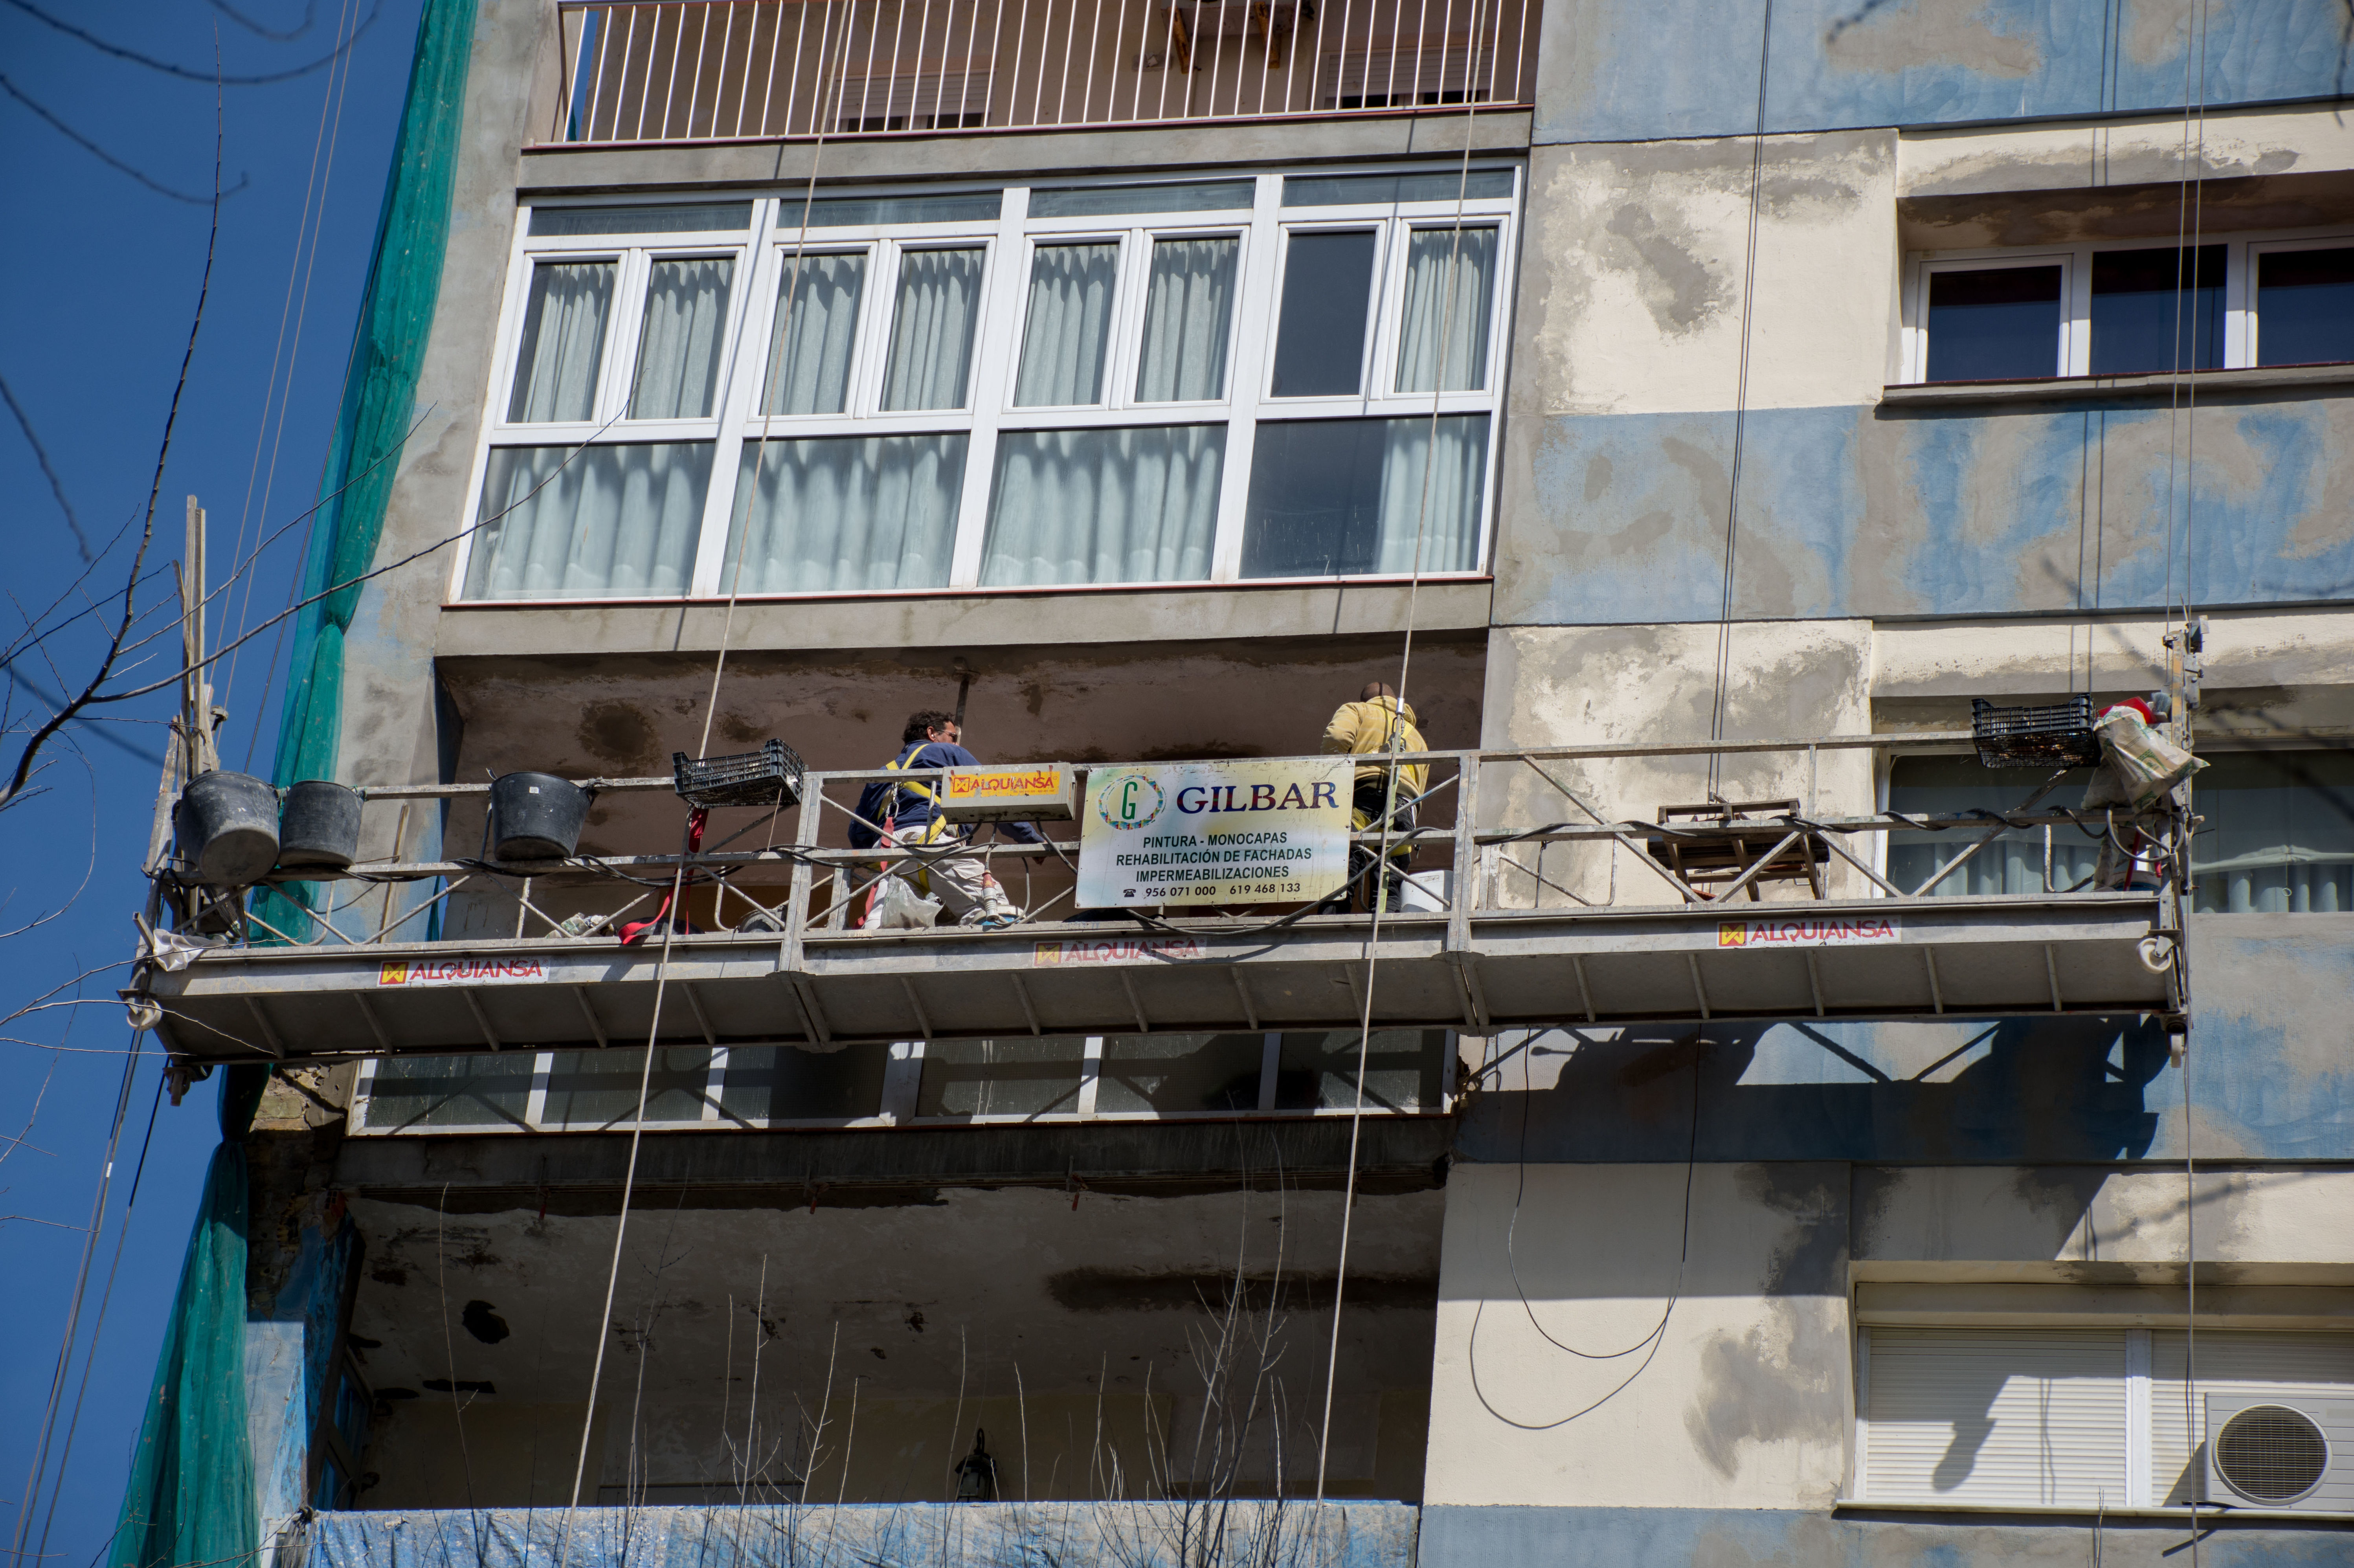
1754 1538
1906 512
289 1356
2265 1084
1627 71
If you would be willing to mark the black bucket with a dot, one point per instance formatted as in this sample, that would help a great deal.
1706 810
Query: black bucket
319 825
227 824
535 816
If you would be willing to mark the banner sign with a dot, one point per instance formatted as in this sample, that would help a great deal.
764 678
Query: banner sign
1215 832
462 971
1007 794
1807 931
1116 951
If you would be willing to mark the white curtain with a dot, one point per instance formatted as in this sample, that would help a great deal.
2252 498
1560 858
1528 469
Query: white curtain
563 339
1453 464
875 512
1069 322
1105 506
615 521
679 348
1458 314
809 349
1189 304
932 329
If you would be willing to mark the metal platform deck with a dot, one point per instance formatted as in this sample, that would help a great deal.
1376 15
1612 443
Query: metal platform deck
1474 971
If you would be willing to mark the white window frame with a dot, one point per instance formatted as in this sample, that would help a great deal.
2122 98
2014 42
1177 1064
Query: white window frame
767 248
2073 358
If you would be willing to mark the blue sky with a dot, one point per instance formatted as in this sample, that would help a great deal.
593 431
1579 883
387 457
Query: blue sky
102 275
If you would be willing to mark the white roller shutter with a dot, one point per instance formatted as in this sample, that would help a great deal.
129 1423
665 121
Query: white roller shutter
1996 1416
2230 1361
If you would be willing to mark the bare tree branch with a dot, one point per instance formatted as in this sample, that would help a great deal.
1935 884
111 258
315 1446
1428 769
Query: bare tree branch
168 68
57 485
111 162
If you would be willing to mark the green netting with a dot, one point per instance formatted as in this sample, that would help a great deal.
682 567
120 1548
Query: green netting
190 1498
379 403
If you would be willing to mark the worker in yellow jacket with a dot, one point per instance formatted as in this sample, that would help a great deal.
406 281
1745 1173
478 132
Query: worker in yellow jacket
1378 722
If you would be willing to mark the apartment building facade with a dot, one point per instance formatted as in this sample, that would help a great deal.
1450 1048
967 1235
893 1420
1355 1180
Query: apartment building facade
1682 404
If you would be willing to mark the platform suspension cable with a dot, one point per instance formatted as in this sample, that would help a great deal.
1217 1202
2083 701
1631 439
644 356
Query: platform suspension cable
679 880
1378 872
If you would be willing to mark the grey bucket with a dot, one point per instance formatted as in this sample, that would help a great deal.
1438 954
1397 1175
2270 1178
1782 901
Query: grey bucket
319 825
535 816
227 824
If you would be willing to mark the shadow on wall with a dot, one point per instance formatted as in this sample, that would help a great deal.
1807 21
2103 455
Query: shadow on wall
2019 1090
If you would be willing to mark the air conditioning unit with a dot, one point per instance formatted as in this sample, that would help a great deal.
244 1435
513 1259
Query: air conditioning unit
2280 1451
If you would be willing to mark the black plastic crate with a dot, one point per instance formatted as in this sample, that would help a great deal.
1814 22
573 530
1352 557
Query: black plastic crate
768 777
2059 735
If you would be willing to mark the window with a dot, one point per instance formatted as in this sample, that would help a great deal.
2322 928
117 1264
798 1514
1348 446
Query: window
2020 860
2129 310
2083 1418
2278 836
1184 381
1060 1077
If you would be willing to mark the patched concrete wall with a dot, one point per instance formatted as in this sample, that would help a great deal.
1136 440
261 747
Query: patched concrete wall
1617 71
1740 1401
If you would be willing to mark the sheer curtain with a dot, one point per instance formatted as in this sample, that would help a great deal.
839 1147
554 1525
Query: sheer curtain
876 511
1069 322
1460 314
932 329
808 348
1189 307
615 521
1104 506
563 339
1453 464
679 345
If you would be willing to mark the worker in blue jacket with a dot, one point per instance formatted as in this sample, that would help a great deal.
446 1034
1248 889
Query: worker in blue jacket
908 813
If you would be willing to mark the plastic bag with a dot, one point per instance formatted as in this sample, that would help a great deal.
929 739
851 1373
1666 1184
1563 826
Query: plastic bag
896 907
2138 764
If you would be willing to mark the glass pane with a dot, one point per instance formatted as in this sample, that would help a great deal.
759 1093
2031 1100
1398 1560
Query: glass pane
599 1088
932 329
599 522
810 344
1349 190
1189 309
1328 286
2278 836
1068 325
1098 201
448 1091
870 511
1998 324
848 212
2013 864
1029 1077
1343 497
1405 1070
1169 1072
2158 310
786 1083
2304 307
670 218
1104 506
563 342
680 344
1449 290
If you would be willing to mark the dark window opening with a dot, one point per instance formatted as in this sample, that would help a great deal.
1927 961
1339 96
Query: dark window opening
1994 324
2158 311
1320 343
2304 307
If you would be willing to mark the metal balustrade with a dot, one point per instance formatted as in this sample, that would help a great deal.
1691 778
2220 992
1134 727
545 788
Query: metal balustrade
1534 908
639 72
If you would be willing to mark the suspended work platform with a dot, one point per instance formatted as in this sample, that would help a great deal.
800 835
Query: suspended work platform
1519 940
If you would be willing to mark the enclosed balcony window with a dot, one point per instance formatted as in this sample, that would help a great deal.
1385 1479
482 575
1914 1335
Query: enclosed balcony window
2304 305
1188 380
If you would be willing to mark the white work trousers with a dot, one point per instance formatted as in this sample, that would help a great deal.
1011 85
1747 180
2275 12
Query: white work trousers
961 881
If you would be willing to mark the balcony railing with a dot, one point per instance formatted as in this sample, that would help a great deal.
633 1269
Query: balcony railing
636 71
